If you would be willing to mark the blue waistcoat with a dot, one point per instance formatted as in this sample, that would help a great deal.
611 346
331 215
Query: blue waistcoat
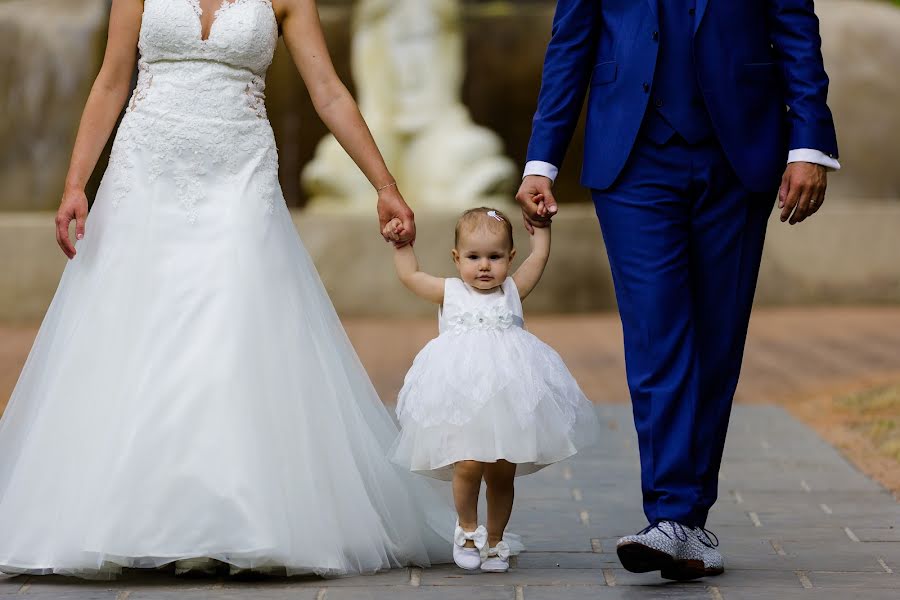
676 95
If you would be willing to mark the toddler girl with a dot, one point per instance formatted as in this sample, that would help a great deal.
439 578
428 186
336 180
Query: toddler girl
485 400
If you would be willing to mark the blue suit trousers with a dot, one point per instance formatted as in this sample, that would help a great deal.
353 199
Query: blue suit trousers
684 238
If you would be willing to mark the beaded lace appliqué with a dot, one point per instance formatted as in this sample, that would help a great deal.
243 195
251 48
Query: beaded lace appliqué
256 97
494 317
144 81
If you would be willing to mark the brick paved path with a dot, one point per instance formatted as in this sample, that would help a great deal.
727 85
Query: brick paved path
795 520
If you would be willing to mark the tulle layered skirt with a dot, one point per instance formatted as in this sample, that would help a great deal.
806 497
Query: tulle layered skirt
489 395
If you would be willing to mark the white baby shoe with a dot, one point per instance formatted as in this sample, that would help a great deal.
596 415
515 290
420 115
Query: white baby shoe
497 560
469 558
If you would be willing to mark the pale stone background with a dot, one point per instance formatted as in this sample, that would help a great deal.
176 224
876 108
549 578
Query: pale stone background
50 50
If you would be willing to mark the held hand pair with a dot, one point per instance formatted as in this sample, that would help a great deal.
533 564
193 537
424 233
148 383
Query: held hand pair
396 219
536 199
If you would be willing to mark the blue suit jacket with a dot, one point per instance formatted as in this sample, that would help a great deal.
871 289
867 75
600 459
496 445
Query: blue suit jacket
758 63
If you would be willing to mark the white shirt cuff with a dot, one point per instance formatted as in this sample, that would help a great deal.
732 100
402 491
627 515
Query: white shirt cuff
539 167
814 156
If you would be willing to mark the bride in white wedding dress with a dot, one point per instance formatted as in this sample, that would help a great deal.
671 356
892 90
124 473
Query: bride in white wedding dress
191 393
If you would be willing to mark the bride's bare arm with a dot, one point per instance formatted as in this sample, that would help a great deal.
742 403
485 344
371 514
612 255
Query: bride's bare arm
303 36
108 96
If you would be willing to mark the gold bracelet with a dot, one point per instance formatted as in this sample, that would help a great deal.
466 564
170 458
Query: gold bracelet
384 187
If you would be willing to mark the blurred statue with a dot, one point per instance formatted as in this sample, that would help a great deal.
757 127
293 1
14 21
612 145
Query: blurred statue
407 61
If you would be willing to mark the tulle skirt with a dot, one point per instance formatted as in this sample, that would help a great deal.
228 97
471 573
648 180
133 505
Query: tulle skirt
490 395
191 393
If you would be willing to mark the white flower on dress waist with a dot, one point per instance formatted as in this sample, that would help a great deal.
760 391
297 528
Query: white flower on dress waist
497 318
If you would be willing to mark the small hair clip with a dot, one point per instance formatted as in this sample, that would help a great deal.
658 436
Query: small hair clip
493 213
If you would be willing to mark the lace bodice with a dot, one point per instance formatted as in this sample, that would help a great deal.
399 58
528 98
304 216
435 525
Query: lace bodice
200 76
243 34
465 309
198 111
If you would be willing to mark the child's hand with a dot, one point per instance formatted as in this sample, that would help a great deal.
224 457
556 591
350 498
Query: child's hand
542 210
541 206
393 230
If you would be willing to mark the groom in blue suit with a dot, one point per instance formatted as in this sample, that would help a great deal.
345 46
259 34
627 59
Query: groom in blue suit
695 107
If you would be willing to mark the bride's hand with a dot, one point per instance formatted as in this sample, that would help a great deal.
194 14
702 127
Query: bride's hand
391 205
74 206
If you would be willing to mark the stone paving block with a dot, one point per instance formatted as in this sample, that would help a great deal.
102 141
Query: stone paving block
571 538
565 560
547 542
887 551
645 581
387 578
774 521
813 594
247 593
296 582
129 580
556 493
746 531
824 559
885 581
877 534
562 524
615 593
802 450
766 476
839 502
738 578
864 516
54 584
547 577
423 593
71 595
546 511
9 586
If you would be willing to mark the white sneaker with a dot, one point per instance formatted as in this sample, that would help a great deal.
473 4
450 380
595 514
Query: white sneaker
668 547
469 558
497 560
704 543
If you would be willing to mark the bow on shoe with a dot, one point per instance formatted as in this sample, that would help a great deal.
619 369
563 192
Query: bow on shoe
501 551
479 537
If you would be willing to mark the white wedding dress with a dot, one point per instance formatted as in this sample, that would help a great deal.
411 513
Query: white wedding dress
191 392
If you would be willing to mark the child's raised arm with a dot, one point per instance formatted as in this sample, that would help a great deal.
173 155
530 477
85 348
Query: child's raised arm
530 271
423 285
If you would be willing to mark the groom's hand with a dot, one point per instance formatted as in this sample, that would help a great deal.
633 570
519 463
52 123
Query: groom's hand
536 199
391 205
802 191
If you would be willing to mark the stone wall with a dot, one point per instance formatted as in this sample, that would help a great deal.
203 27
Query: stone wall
848 255
50 50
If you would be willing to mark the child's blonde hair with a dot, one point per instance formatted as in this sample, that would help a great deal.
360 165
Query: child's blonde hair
483 216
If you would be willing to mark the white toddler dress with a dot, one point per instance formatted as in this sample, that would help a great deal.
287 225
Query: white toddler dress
486 389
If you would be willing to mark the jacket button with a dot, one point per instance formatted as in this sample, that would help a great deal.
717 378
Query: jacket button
655 35
659 102
646 87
